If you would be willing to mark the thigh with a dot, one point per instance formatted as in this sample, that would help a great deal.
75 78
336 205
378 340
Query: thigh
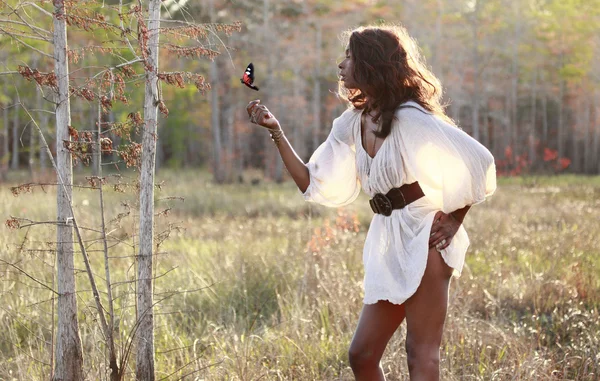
376 325
426 309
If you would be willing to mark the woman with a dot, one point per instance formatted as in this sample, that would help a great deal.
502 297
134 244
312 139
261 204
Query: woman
423 174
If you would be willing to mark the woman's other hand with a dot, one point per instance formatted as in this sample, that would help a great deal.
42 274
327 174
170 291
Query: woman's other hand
443 230
260 114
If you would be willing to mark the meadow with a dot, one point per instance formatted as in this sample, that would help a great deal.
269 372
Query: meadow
253 283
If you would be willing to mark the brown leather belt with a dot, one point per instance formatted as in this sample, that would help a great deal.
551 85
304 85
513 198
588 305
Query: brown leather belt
396 198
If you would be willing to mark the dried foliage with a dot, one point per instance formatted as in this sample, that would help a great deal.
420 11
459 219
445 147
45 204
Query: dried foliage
22 188
12 223
132 154
191 52
42 79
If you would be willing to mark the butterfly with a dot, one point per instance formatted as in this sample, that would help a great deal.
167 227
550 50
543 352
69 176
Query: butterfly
248 78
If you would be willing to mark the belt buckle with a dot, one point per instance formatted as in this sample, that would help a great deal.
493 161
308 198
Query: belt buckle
381 204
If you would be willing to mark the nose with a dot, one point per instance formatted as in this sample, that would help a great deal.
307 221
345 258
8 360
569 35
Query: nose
340 65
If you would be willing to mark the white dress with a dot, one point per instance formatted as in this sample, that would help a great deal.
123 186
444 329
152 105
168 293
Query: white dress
453 169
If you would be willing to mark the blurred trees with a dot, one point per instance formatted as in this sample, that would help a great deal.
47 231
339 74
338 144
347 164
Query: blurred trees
518 75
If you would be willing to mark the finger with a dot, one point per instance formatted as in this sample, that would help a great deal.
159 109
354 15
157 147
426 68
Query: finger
433 236
264 108
252 104
448 240
441 244
438 216
262 115
436 239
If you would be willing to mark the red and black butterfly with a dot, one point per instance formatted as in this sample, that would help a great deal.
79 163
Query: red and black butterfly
248 78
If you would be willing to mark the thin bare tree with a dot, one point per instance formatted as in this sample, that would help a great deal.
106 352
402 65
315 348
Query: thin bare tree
68 352
145 331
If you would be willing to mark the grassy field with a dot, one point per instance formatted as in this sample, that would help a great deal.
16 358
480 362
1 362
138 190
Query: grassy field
256 284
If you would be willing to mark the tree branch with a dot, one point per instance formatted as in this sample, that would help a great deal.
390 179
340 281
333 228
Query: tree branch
49 14
24 23
27 275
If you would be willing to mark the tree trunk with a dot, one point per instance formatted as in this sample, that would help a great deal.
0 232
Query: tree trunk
317 90
14 164
32 135
560 138
574 135
476 74
596 124
532 133
44 127
297 115
439 19
5 155
545 118
68 351
145 330
587 136
94 118
514 94
215 114
215 124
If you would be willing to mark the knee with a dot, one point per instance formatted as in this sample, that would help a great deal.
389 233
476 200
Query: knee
361 358
422 356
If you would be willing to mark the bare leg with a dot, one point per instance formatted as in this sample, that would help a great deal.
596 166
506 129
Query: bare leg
376 325
425 316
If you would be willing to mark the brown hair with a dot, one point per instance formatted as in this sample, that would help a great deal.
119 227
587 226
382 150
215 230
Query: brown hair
389 68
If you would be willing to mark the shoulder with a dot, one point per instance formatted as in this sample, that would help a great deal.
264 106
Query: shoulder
412 116
344 125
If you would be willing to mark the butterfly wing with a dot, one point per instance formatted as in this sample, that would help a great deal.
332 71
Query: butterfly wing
248 77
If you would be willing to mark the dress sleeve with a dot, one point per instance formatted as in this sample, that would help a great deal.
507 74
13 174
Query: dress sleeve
453 169
332 167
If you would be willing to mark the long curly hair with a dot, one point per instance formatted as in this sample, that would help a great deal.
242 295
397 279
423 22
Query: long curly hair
390 70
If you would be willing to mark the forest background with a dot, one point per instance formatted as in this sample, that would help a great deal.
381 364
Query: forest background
521 76
250 282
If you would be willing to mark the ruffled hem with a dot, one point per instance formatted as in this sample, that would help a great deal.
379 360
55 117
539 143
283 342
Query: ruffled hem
375 293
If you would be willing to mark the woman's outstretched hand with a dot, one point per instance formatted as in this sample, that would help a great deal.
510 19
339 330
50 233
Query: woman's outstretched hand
260 114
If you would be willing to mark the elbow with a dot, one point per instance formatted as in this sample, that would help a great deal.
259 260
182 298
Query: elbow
304 186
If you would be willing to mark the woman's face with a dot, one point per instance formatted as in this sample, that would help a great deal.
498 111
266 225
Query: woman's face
346 73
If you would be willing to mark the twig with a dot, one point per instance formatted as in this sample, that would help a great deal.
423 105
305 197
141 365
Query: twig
37 7
27 275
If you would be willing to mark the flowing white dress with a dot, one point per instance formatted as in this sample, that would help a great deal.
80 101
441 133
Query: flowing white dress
453 169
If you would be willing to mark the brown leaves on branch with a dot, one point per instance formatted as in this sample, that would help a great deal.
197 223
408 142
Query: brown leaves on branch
42 79
23 188
163 108
127 71
173 79
134 122
106 145
106 103
80 146
180 78
132 154
228 29
75 55
83 92
95 181
200 32
12 223
87 20
191 52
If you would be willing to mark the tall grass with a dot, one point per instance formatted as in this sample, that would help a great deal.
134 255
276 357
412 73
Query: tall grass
257 284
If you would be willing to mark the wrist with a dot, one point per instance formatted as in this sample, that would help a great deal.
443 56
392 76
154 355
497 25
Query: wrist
276 128
455 217
276 135
459 215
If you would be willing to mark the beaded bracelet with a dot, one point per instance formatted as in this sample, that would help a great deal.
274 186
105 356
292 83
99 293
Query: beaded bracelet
276 135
